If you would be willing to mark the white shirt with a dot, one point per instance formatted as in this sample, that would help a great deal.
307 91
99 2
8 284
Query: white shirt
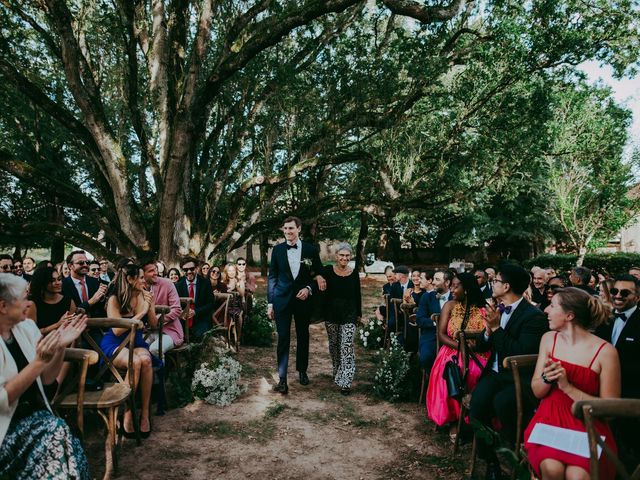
443 299
105 277
619 324
504 319
78 285
294 256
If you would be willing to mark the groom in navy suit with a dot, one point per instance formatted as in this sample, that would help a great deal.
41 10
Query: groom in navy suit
295 266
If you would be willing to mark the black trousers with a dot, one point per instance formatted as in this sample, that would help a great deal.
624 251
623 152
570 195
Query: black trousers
299 311
495 396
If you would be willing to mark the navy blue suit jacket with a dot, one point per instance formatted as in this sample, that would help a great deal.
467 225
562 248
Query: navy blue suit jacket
429 304
69 290
282 288
204 301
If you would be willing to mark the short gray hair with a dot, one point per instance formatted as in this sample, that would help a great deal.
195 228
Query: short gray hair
344 246
11 287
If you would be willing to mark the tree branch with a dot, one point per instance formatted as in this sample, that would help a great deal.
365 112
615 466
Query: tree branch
422 13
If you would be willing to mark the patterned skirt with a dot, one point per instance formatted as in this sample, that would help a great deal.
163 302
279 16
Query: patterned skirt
41 446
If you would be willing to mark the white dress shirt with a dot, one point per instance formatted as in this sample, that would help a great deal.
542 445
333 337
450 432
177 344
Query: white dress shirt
504 319
444 298
294 256
619 324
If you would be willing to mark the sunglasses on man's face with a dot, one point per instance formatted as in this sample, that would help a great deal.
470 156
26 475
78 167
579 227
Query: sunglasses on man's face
7 267
17 265
190 269
241 264
82 262
553 288
94 269
623 293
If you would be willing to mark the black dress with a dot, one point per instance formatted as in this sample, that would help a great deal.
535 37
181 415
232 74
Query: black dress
343 299
50 313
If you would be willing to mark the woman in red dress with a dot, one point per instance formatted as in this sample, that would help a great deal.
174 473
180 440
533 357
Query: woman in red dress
573 365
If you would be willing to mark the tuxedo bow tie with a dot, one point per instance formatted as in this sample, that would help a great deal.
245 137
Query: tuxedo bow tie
621 316
292 246
503 309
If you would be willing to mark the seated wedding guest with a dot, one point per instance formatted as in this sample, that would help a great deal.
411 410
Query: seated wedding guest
483 282
86 291
229 277
635 271
604 291
204 269
342 310
18 270
164 293
550 273
94 269
412 295
49 308
397 289
580 278
199 289
513 327
624 333
34 443
215 280
573 364
426 280
553 285
431 303
63 269
173 275
29 265
6 263
381 310
247 277
106 275
464 312
491 274
131 300
162 269
538 287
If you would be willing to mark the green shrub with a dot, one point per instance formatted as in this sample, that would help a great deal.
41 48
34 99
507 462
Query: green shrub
391 381
613 263
258 329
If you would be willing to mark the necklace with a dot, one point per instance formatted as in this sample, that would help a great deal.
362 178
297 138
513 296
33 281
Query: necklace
9 340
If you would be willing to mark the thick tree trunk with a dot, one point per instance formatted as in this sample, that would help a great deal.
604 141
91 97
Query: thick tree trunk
57 250
361 247
249 254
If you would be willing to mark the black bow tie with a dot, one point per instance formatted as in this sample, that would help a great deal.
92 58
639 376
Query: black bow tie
621 316
295 245
503 309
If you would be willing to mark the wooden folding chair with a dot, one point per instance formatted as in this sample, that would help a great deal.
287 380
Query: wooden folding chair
173 355
386 320
435 317
463 337
606 408
161 311
74 382
107 401
221 318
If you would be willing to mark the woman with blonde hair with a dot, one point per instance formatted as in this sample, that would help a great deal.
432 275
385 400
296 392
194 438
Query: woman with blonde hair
573 364
131 300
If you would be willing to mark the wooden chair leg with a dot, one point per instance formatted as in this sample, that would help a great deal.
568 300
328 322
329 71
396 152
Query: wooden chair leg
422 387
134 414
474 446
463 413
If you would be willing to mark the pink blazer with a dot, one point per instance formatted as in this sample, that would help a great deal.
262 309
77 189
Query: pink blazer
165 293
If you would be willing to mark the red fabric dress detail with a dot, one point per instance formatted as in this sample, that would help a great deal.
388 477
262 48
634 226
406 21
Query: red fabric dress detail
555 410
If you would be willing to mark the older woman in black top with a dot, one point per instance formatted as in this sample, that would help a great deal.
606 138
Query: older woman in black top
342 310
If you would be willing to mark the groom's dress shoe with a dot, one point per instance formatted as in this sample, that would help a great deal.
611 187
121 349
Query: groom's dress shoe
281 387
304 380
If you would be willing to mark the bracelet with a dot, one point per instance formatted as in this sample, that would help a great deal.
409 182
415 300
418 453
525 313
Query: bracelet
545 380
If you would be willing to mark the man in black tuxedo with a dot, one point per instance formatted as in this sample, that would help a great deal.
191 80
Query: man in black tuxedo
514 327
397 291
87 292
295 266
483 282
624 333
194 286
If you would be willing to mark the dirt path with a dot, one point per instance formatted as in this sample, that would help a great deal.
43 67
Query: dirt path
312 433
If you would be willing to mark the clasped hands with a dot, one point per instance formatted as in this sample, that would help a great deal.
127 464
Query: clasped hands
554 372
69 330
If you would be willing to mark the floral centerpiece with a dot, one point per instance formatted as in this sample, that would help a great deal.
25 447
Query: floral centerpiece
217 380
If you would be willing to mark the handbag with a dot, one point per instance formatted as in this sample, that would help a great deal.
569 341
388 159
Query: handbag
452 374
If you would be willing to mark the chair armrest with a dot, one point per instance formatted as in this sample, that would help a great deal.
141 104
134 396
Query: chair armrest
608 407
162 309
114 322
80 354
518 361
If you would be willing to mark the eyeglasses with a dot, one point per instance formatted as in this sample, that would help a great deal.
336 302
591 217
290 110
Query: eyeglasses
103 263
94 269
190 269
7 267
215 271
479 276
241 264
553 288
495 280
623 293
82 262
17 265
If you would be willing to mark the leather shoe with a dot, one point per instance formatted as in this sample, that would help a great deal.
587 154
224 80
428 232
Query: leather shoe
493 472
281 387
304 380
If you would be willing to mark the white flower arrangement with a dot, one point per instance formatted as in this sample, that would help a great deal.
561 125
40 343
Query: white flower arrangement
216 382
390 379
371 335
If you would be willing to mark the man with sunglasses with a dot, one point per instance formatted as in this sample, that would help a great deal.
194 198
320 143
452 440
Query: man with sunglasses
199 288
249 279
86 291
6 263
624 333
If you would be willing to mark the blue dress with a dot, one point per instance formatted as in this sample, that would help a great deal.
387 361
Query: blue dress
110 342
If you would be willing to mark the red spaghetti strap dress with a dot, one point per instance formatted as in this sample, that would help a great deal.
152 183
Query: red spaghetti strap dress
555 410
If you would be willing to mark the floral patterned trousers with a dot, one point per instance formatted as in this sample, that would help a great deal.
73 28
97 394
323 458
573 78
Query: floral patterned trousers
342 353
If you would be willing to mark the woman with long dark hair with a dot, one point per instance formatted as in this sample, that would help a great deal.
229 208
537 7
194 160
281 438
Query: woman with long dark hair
464 312
49 307
215 279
